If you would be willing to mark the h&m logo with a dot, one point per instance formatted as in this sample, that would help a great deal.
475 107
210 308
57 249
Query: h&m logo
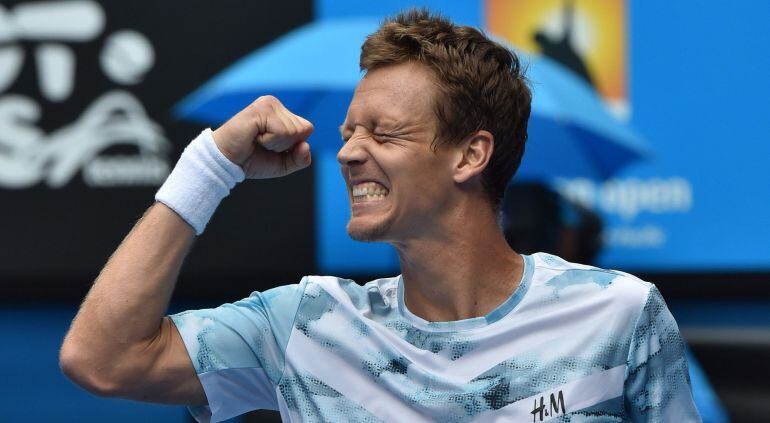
556 407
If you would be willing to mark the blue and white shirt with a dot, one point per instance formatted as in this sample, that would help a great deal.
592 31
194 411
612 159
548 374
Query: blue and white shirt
574 343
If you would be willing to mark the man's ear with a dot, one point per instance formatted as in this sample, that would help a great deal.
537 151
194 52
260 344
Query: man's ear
475 153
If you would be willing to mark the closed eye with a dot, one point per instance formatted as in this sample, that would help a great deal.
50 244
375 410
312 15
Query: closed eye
382 137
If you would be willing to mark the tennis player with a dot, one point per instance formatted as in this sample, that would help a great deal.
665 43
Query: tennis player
469 331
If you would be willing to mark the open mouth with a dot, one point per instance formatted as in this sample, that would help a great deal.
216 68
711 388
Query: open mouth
369 191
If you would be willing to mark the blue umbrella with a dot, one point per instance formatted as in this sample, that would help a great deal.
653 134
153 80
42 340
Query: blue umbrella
571 134
313 71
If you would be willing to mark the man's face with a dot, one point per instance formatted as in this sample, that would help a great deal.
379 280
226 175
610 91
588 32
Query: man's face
398 187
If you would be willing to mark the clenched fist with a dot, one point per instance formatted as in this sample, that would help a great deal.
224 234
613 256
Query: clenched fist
266 139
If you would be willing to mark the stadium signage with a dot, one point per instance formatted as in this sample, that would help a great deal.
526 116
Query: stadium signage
48 34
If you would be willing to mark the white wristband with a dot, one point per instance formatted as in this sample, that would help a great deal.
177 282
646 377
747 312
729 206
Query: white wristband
202 177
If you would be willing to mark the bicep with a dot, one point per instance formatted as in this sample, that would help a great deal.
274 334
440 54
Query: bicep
169 375
229 357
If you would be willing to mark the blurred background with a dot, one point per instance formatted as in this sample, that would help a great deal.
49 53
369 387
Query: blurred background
647 153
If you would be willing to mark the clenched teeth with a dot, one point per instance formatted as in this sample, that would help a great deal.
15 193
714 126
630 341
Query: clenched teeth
369 191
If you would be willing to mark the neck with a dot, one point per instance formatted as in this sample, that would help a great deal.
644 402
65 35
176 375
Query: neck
462 269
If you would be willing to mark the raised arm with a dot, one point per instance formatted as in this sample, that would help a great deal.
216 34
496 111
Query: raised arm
120 343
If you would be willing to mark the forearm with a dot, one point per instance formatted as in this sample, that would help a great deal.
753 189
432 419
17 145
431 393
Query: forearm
119 343
124 307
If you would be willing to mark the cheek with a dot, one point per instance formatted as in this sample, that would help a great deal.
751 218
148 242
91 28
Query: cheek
426 183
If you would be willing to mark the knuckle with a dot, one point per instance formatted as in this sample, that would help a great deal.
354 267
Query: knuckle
268 99
265 102
255 107
306 126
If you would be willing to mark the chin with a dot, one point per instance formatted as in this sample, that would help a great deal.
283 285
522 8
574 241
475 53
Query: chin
367 232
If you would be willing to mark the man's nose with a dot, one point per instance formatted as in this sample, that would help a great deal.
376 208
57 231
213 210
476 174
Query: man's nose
352 151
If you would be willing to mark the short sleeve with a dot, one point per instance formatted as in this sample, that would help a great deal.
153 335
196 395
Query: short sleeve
238 350
657 386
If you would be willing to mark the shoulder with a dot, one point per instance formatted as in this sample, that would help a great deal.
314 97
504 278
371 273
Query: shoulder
555 276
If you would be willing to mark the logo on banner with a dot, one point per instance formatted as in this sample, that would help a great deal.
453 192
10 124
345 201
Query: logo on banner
29 155
586 36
